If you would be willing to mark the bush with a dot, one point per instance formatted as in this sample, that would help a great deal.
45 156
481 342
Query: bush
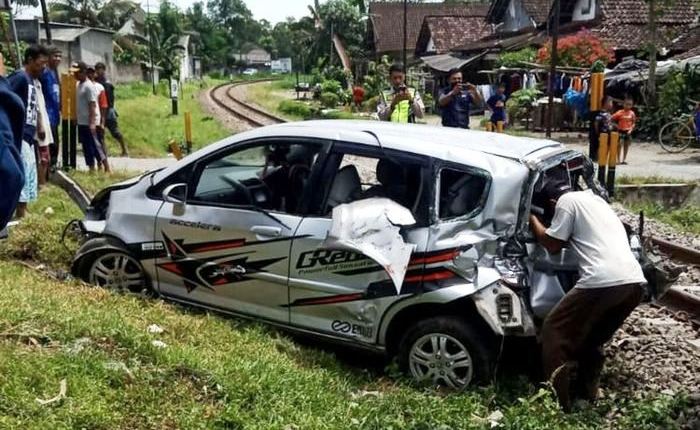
337 114
516 58
293 107
520 103
329 100
372 103
216 74
331 86
578 50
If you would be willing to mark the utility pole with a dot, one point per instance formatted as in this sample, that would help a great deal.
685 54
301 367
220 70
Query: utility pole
554 57
405 33
150 46
47 27
330 52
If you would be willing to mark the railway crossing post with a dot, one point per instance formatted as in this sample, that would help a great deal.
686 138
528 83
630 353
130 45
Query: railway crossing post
608 145
173 94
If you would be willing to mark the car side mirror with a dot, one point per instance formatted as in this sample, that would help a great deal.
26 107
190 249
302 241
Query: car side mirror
177 195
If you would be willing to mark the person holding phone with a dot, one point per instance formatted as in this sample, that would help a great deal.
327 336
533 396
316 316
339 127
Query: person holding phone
400 103
455 101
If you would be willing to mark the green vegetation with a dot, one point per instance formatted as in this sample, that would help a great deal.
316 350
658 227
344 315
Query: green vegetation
38 236
294 109
641 180
147 123
217 372
686 219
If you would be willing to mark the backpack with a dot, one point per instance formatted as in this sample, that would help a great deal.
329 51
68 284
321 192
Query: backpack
11 167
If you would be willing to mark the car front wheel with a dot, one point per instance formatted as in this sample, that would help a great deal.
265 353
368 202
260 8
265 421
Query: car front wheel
116 270
445 351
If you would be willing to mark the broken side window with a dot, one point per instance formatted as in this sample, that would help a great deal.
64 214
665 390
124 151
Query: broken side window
461 193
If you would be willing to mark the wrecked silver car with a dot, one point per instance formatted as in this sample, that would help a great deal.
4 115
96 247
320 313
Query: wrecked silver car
405 239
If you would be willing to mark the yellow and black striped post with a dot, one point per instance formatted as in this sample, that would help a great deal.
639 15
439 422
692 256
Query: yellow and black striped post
489 126
613 148
499 126
609 144
602 156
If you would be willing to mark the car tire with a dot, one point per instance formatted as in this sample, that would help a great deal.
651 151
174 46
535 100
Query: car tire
114 269
460 360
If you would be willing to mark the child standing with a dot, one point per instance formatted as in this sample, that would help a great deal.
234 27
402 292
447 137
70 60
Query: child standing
625 119
497 105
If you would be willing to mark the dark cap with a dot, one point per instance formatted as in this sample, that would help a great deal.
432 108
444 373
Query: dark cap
78 66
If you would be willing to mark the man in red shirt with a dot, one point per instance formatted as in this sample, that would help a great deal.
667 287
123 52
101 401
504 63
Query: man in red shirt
625 119
358 95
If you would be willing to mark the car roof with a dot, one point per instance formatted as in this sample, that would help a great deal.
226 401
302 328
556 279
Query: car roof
413 137
475 148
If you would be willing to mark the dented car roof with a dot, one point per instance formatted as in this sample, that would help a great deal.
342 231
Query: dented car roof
477 148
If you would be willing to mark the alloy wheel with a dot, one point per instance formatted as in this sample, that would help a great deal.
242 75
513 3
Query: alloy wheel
442 360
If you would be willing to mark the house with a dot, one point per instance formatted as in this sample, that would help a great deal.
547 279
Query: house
255 57
190 64
621 24
624 24
135 26
687 45
386 23
512 16
78 43
440 34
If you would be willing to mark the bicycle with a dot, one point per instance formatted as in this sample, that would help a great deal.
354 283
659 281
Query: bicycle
678 134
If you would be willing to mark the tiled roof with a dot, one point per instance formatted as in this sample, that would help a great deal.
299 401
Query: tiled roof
387 21
637 12
449 32
633 37
688 40
695 52
538 9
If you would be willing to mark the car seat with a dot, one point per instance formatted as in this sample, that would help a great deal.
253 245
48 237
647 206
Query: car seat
346 187
392 183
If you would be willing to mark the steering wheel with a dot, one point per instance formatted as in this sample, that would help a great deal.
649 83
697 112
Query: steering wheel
240 187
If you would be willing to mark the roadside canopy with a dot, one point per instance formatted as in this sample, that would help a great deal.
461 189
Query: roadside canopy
446 62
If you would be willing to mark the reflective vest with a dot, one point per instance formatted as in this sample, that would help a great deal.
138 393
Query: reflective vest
403 111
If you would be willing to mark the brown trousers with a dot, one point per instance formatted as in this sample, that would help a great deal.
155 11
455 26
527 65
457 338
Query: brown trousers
574 332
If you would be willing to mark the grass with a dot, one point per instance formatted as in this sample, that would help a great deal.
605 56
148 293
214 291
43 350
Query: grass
685 219
643 180
94 182
217 372
224 373
147 124
269 95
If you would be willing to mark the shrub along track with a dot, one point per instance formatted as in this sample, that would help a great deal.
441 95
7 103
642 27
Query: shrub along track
251 115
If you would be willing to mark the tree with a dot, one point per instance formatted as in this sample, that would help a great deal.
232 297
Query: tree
234 18
164 30
83 12
578 50
92 13
214 47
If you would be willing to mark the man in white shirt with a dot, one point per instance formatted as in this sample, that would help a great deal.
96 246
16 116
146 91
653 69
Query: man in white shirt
608 290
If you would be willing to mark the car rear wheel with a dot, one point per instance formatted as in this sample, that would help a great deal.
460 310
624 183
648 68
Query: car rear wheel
445 351
115 270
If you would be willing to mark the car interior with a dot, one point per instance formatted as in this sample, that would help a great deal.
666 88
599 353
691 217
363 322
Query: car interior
271 177
364 177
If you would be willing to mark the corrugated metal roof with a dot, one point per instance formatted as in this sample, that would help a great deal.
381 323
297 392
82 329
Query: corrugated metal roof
67 34
447 62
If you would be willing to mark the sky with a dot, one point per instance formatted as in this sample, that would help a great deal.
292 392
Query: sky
272 10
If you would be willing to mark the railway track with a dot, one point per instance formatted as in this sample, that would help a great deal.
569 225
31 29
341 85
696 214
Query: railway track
246 112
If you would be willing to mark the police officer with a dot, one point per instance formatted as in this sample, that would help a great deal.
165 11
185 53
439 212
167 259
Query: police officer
455 99
399 103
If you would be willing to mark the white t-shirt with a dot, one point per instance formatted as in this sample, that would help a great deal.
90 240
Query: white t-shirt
99 89
598 238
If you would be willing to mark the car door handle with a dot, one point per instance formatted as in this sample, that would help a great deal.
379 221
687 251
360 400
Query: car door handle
267 231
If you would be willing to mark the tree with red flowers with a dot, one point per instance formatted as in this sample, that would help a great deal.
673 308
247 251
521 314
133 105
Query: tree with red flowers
578 50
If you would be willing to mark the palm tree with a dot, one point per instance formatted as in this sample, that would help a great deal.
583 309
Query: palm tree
83 12
92 13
